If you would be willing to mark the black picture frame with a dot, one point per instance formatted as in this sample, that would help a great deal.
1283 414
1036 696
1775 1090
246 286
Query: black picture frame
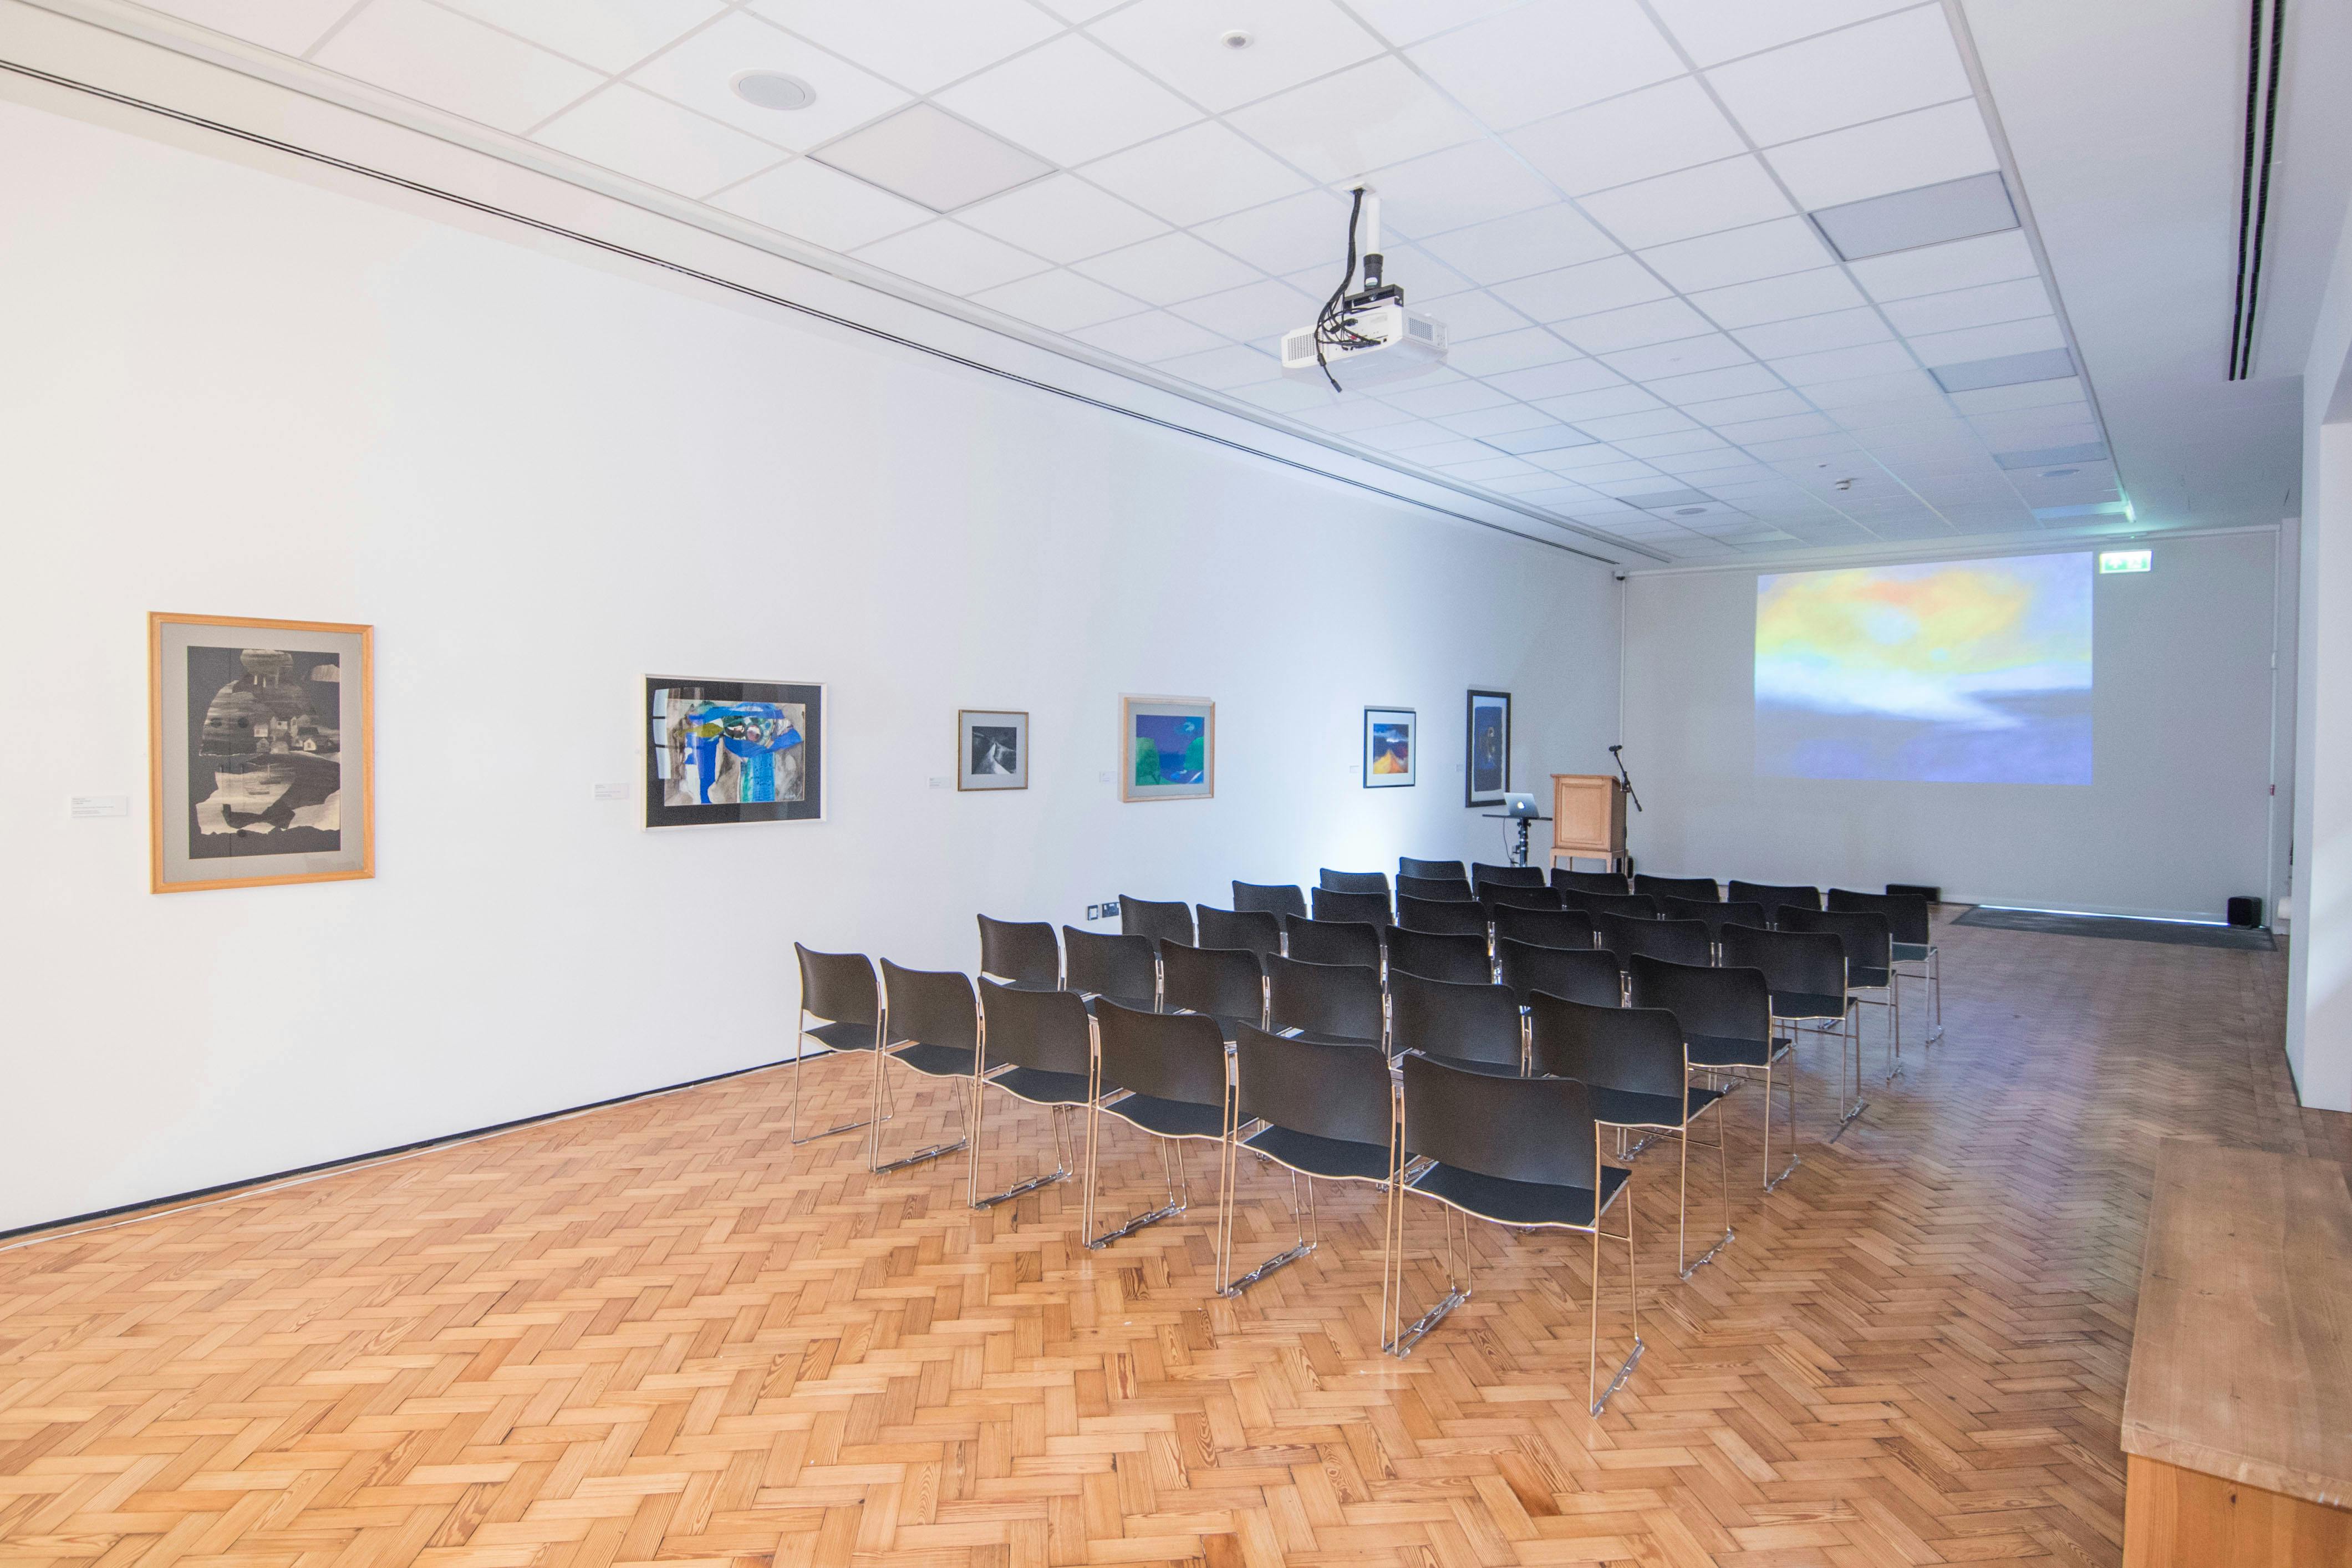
1496 777
654 714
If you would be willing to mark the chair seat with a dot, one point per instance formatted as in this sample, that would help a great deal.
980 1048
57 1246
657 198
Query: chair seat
1867 979
1339 1159
1491 1069
935 1061
1022 985
1807 1005
1913 951
1317 1038
1170 1118
1228 1024
1519 1202
843 1036
1730 1051
1627 1108
1039 1086
1133 1004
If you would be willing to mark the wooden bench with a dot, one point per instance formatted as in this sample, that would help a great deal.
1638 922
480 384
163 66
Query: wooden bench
2238 1415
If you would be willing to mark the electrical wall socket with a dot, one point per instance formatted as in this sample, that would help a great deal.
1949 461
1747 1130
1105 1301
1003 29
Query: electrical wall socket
1094 912
1111 909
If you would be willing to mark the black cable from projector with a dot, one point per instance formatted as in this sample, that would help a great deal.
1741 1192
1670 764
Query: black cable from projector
1331 323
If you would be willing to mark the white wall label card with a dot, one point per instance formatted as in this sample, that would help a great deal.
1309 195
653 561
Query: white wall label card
84 805
609 792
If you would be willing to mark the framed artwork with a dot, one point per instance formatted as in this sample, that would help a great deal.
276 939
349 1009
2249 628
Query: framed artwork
992 749
732 750
261 752
1391 748
1169 748
1487 770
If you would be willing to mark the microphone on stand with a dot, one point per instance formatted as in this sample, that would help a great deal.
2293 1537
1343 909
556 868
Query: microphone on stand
1623 777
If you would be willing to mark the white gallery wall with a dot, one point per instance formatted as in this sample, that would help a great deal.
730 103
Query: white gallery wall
2176 820
540 475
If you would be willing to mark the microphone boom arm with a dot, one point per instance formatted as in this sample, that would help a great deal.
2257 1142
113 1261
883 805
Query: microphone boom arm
1623 777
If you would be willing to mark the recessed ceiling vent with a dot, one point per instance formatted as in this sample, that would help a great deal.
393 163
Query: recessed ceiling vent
2265 27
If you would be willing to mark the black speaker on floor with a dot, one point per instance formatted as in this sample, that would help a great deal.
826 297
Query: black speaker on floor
2245 911
1913 890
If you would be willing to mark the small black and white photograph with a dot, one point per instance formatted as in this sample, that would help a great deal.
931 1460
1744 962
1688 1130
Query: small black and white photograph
993 749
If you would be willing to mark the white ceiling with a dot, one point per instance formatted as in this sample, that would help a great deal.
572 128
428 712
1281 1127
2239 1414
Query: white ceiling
1603 200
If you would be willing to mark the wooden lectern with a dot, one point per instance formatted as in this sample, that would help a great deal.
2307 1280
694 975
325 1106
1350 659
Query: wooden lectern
1587 818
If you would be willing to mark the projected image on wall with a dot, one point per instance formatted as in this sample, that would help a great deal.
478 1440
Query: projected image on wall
1966 671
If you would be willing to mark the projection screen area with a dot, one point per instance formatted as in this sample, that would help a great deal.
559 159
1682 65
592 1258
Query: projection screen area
1964 671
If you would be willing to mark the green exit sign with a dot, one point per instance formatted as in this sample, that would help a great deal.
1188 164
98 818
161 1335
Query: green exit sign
2126 560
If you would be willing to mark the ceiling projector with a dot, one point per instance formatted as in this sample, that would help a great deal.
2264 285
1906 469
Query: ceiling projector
1368 332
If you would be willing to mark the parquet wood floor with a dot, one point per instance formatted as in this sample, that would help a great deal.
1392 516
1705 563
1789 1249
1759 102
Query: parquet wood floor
660 1333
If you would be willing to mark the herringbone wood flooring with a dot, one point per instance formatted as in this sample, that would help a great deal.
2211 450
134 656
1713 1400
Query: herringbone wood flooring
660 1333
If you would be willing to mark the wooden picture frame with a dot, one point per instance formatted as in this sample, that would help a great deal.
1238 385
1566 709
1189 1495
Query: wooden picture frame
1486 748
992 749
258 788
1160 720
1384 750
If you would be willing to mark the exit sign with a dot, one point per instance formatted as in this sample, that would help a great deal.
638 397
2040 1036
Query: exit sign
2126 560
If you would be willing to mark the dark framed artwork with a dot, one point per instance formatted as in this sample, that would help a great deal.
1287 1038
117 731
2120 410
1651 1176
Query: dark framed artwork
732 750
992 749
1391 748
1487 767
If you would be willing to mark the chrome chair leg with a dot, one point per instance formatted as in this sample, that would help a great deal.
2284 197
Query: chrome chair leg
792 1131
1633 1293
1180 1192
1456 1291
1771 1182
1057 1114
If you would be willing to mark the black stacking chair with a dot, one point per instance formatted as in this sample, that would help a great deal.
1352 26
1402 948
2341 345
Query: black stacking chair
1727 1019
1701 889
1677 942
1577 975
1637 906
1352 882
1165 1074
1122 969
1340 1003
1806 972
1161 923
1522 1153
1915 943
1473 1026
935 1015
1020 952
1505 895
1371 908
1544 928
1222 984
1332 942
1426 914
1037 1047
1869 941
1483 876
1324 1111
1436 889
1274 899
1712 913
1633 1060
1250 930
1772 896
1438 955
838 990
1444 870
1604 882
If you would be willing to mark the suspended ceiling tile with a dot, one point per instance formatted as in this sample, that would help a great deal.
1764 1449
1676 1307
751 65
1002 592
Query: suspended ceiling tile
1368 117
1059 301
1539 240
1264 309
1732 193
455 63
1939 268
2016 301
1069 101
1298 232
949 256
1740 254
1814 335
1656 130
1924 147
824 206
1168 268
1546 56
1475 183
1905 61
1062 219
1814 293
920 45
611 37
653 140
1584 290
1189 176
699 72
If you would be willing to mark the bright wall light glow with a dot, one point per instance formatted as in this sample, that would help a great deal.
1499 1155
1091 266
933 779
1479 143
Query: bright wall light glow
1965 671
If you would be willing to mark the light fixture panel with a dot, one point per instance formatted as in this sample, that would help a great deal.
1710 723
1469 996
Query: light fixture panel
1914 219
928 155
2008 370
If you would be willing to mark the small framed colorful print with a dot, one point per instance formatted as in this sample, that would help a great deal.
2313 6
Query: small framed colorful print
1486 771
1168 747
732 750
1391 748
992 749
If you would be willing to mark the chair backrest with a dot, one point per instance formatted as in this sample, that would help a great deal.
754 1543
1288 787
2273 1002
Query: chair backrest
1729 1003
1436 889
1019 949
1795 963
1042 1029
1159 922
838 987
1466 1023
1352 882
1678 942
1307 1085
1869 938
1544 928
1441 955
1273 898
1342 999
1701 889
1430 914
1772 896
1252 930
1608 882
1637 1050
1906 914
1101 964
1224 981
1578 974
1483 876
934 1006
1441 870
1370 908
1635 906
1332 942
1513 1128
1167 1055
1712 913
1505 895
